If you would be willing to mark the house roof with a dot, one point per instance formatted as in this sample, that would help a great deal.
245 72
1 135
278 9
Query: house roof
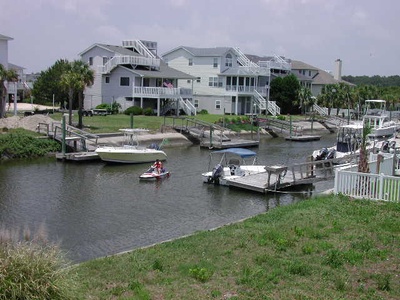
14 67
4 37
322 76
112 48
164 72
205 52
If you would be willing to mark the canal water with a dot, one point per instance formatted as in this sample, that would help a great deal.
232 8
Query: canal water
94 209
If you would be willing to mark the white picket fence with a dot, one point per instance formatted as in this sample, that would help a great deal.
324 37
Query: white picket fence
369 185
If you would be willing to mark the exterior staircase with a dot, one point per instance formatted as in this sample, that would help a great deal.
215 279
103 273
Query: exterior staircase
264 104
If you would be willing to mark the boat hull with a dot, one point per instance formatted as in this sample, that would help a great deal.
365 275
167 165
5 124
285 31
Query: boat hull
130 155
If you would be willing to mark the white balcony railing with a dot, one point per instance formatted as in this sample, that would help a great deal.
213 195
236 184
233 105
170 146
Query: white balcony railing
155 92
129 60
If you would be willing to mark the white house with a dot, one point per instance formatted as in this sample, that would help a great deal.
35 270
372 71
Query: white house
133 75
227 81
14 89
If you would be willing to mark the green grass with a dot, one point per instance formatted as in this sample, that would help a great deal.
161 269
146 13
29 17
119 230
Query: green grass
112 123
329 247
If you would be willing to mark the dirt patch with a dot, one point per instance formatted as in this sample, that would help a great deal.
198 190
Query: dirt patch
29 123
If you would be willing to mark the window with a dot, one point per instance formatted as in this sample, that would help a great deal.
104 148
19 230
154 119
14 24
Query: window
107 79
124 81
215 64
217 104
90 61
190 61
215 81
188 81
129 98
228 60
196 103
105 60
198 79
309 73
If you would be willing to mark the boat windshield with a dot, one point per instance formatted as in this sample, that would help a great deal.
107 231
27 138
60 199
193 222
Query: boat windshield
131 135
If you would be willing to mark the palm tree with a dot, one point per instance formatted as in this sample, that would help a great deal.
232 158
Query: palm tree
5 75
74 81
86 78
305 98
71 83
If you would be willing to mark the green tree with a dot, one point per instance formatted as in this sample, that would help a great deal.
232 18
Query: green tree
74 81
48 84
305 99
5 75
285 92
85 78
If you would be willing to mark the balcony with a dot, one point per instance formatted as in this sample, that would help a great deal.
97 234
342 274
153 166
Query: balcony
129 60
162 92
241 89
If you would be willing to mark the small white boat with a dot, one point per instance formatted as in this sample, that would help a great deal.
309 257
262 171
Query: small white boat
152 174
231 163
130 152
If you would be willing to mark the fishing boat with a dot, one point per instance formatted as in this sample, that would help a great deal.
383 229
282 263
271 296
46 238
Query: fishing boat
153 174
348 142
378 119
231 163
131 151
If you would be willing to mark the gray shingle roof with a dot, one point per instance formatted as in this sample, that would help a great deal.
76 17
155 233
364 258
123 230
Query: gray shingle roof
4 37
164 72
216 51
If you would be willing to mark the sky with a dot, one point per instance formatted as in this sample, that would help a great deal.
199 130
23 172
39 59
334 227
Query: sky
364 34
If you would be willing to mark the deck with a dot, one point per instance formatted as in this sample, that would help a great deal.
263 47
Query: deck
279 177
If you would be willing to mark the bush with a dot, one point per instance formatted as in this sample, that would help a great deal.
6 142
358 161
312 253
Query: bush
20 143
136 110
203 112
148 111
33 269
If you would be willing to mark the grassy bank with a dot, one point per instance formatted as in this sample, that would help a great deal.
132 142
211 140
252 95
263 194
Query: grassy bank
329 247
112 123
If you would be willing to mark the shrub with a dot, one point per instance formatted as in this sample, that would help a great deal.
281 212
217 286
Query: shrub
33 269
203 112
103 106
148 111
20 143
136 110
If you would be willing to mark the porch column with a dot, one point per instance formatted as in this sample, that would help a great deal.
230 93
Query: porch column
158 106
236 104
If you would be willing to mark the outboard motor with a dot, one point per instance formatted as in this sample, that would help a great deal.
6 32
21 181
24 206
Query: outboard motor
331 154
216 173
322 154
385 146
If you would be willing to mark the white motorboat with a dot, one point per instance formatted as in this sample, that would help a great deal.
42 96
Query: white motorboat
348 142
231 163
130 151
378 119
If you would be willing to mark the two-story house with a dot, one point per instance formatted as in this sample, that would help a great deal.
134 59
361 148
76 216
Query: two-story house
17 89
314 78
227 81
133 75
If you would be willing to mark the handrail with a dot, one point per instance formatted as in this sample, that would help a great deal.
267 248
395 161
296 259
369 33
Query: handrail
128 59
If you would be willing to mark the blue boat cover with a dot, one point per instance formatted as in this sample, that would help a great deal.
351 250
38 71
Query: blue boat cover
242 152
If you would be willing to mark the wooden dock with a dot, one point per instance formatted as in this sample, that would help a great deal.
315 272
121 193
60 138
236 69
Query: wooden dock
303 138
280 177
